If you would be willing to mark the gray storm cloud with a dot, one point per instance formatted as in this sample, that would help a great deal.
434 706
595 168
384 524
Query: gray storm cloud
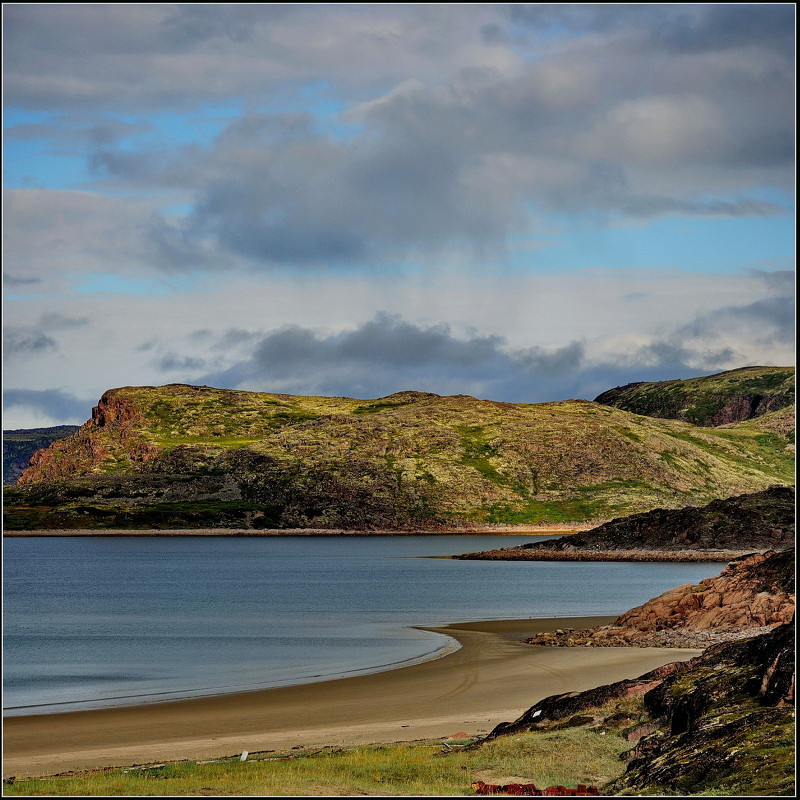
388 354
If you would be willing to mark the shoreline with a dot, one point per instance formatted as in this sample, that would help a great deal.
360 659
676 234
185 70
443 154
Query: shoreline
672 556
543 529
492 677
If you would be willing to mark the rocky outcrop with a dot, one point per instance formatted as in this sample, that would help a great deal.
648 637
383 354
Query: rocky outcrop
109 441
747 597
531 790
20 445
563 709
721 530
725 725
649 555
720 399
721 723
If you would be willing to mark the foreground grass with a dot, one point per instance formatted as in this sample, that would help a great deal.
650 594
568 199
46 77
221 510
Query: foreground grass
566 757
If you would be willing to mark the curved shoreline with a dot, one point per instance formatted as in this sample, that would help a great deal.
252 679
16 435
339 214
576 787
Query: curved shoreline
491 678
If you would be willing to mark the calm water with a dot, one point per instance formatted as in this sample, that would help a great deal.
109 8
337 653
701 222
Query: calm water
95 622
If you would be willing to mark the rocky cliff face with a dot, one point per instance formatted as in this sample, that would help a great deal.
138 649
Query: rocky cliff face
20 445
109 441
721 399
755 592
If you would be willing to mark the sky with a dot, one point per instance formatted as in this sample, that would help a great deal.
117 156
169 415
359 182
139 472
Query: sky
517 202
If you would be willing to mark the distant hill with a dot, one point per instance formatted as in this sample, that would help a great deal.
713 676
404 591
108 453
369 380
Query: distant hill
19 445
732 396
195 456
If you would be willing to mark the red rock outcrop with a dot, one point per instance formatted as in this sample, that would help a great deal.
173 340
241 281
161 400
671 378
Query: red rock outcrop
756 592
108 438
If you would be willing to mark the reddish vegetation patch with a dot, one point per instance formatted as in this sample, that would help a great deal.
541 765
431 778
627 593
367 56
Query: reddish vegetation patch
530 790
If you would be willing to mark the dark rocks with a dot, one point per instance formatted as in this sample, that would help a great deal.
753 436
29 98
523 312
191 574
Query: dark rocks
565 706
651 556
720 723
758 521
719 531
727 722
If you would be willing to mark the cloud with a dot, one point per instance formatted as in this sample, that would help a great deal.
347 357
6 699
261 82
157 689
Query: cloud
74 135
728 25
529 111
725 337
779 282
388 354
55 321
565 359
54 404
766 321
47 232
171 362
16 281
145 57
26 341
18 343
428 169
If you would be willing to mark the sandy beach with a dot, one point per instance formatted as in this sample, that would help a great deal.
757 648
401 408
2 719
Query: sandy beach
490 679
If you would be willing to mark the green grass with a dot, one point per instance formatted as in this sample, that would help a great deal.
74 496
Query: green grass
478 452
565 758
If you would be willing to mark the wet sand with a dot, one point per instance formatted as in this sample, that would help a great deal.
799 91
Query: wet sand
492 678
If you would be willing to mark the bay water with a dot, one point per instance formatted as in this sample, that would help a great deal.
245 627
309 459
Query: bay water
91 622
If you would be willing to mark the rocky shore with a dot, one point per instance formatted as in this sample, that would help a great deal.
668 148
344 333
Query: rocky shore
525 554
749 597
684 639
719 531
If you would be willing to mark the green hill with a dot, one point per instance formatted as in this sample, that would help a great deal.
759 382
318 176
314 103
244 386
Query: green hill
727 397
194 456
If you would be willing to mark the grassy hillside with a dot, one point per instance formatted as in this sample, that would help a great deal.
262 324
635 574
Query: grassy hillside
732 396
195 456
